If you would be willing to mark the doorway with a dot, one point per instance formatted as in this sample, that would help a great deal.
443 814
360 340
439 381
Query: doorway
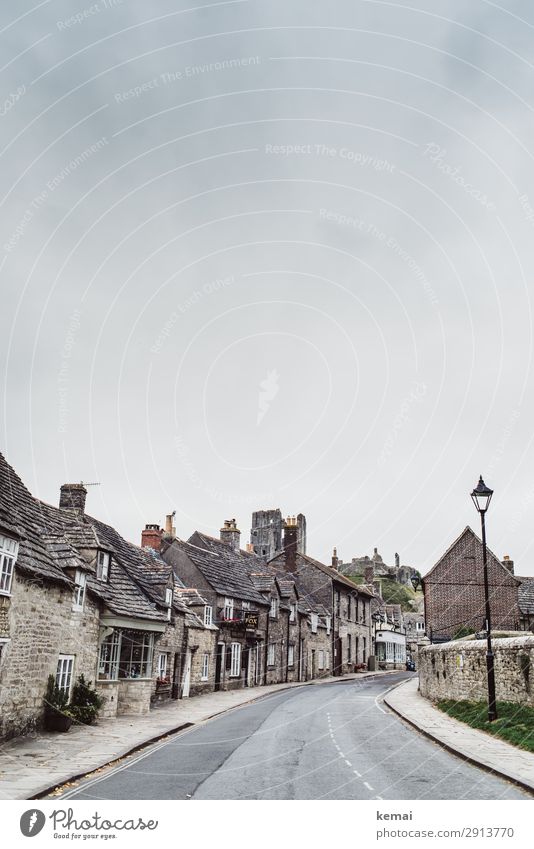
219 665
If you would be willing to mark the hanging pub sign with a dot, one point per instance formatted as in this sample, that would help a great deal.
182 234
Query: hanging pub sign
251 621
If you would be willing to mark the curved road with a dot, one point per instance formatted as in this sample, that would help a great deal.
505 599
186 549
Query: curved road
332 741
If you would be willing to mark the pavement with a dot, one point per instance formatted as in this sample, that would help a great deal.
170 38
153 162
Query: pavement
33 765
334 741
476 747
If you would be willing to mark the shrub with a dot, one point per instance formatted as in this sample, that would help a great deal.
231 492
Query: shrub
85 702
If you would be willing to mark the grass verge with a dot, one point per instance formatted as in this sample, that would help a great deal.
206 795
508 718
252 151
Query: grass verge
515 723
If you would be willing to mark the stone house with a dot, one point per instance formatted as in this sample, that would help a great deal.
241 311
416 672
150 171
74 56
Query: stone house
526 603
414 625
221 573
77 598
390 637
454 591
348 623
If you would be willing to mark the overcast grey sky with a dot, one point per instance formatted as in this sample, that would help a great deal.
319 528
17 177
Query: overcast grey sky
260 254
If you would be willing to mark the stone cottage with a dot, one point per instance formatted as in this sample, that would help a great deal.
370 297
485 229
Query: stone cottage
346 605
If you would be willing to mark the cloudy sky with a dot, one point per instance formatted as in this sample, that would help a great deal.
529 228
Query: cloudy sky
260 254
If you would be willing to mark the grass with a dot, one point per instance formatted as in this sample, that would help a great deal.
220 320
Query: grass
515 722
392 592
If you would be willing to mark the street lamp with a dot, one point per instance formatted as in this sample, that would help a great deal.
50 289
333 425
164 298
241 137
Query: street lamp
481 496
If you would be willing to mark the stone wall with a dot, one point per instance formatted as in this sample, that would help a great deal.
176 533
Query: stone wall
457 670
41 625
205 640
134 696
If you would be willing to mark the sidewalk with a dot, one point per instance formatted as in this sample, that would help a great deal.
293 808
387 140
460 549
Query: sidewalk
475 746
32 765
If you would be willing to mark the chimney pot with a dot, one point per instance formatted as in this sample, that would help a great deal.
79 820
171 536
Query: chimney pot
230 534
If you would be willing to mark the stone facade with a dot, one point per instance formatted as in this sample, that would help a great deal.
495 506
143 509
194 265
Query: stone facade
266 533
457 670
41 625
454 591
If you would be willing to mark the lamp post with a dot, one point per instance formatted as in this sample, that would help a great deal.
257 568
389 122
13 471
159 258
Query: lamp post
481 496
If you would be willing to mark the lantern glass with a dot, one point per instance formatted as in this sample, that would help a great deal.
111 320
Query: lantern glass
481 496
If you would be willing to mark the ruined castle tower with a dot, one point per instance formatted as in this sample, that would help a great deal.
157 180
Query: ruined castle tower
266 534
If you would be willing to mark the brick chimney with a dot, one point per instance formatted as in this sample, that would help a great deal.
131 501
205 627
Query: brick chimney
230 534
291 543
151 537
72 497
508 563
335 559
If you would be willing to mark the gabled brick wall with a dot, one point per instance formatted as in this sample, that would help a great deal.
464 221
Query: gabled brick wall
454 591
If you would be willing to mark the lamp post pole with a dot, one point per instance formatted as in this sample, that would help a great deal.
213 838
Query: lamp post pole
481 496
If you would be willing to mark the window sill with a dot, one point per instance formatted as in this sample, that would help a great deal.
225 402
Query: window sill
204 679
78 609
5 593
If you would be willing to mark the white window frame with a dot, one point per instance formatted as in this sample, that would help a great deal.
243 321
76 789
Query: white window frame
320 660
291 654
271 654
80 582
235 660
9 549
205 666
208 614
168 602
273 612
293 611
228 612
102 567
328 625
314 622
64 673
163 664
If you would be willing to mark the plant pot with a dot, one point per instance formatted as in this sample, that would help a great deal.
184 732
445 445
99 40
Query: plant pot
57 721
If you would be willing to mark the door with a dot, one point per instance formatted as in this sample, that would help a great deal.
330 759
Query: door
219 662
186 686
301 660
338 656
313 664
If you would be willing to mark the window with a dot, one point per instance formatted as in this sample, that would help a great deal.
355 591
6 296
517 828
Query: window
245 607
205 666
314 622
228 612
79 590
273 613
420 626
293 612
291 655
8 554
102 568
321 659
235 662
338 602
64 672
163 665
168 601
135 660
327 659
270 655
349 607
4 642
108 661
208 615
349 647
328 624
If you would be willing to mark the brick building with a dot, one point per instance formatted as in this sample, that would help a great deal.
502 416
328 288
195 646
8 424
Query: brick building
454 591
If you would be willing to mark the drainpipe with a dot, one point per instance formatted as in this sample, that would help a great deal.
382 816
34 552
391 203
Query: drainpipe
266 648
287 650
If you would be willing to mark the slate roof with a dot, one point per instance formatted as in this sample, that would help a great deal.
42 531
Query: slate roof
304 561
50 542
526 595
20 514
227 571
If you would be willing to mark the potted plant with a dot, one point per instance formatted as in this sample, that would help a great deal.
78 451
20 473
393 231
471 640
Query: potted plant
57 716
85 702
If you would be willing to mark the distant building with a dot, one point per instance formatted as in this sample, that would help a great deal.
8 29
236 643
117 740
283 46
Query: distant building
454 591
373 568
266 534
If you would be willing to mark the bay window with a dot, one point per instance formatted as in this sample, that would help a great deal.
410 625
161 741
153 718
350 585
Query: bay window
126 654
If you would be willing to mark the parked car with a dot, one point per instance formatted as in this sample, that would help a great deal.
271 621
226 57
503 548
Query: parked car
410 665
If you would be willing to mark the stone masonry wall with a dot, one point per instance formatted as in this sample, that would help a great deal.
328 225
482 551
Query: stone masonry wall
41 626
457 670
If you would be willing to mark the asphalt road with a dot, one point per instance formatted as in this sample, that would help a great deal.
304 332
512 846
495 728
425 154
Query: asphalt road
331 741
